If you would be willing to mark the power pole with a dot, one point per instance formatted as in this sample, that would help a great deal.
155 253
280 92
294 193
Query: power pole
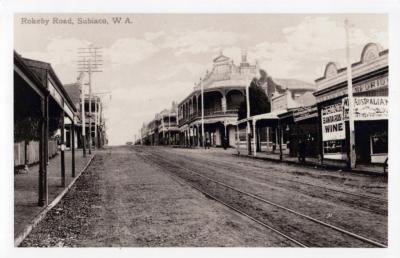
352 151
90 62
90 107
95 122
202 112
248 131
80 81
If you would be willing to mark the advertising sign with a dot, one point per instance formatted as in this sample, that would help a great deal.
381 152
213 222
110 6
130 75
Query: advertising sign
370 108
333 127
367 108
305 113
370 85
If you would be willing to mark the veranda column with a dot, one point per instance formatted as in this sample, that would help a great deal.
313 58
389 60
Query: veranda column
72 135
198 135
280 141
62 149
237 138
255 137
42 198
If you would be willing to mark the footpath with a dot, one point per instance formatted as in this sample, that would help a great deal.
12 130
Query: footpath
26 188
373 169
313 162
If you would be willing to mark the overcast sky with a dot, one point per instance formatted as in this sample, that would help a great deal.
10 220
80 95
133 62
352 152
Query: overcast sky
157 58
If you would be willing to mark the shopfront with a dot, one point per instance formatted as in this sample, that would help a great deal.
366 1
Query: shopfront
300 130
371 127
370 95
307 128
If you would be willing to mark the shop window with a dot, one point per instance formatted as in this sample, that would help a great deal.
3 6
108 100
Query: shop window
335 146
379 143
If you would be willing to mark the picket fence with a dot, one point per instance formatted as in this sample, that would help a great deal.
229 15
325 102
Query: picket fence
32 150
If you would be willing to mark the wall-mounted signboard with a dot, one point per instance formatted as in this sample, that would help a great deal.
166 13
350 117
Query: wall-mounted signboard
374 84
333 127
367 108
305 113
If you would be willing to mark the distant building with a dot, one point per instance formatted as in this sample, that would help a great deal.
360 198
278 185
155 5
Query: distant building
99 136
168 127
163 129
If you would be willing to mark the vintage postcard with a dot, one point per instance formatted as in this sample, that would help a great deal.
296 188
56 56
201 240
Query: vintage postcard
201 129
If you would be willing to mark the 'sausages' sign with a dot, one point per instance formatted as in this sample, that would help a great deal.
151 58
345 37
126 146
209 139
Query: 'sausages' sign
332 122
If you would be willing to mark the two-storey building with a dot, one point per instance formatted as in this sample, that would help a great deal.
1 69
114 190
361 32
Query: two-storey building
168 127
96 122
224 89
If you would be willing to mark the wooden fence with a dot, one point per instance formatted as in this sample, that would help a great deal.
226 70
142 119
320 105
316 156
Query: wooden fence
32 152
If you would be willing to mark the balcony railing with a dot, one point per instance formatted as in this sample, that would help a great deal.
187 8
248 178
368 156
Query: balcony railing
167 125
207 114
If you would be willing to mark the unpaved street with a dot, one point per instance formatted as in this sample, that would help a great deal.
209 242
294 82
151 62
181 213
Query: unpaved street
353 202
122 200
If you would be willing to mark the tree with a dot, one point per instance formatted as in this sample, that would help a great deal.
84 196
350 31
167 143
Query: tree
27 115
259 102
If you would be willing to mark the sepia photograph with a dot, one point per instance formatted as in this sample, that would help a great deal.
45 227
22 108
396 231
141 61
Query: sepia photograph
201 130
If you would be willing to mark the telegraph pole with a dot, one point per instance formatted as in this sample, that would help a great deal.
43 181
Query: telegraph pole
82 86
202 112
352 151
90 107
95 121
248 139
90 62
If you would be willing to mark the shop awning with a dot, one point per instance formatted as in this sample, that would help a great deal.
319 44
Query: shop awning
266 116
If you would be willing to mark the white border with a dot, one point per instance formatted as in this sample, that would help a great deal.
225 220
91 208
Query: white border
8 8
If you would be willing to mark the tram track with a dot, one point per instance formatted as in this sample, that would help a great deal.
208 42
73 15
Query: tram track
303 230
231 166
364 202
219 200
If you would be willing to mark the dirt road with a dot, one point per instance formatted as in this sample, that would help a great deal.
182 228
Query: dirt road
122 200
354 202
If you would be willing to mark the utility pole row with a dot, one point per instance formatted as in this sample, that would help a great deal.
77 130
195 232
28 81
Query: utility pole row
89 62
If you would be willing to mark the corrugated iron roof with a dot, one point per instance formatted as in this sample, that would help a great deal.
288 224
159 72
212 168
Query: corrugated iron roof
292 84
74 92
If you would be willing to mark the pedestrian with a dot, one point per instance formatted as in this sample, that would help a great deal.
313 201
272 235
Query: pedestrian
302 151
225 143
207 143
